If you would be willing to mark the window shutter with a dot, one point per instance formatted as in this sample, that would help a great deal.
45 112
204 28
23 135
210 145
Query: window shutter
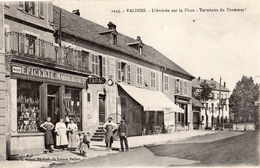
128 73
103 67
21 5
181 89
21 43
119 70
41 9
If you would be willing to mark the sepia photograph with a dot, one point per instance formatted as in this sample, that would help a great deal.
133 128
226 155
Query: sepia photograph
129 83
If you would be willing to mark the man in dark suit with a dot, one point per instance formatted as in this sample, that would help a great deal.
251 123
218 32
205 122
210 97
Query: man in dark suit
123 133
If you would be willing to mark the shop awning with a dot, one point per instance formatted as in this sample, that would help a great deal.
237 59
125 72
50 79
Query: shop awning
196 103
151 100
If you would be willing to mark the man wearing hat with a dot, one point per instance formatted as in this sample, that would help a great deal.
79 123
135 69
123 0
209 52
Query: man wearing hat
123 133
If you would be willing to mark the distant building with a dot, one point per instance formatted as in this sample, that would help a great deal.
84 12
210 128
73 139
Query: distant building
214 112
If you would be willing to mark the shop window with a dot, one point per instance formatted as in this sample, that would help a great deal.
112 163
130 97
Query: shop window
28 103
73 105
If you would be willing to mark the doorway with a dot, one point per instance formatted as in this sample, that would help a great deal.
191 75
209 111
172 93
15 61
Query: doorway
53 103
101 109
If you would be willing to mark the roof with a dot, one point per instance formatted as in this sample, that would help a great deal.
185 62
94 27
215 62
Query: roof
196 84
196 103
82 28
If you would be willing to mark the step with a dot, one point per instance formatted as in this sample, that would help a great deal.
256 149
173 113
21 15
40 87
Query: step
100 127
98 136
100 130
99 133
96 139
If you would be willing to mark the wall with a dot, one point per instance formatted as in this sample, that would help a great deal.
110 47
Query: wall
3 121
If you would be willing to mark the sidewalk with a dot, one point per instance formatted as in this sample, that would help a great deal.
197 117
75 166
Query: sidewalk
98 149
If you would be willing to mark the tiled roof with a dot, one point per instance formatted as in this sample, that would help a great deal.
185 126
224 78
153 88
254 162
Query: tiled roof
82 28
196 84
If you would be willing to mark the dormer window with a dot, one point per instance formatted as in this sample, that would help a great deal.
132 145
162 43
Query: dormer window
138 45
111 34
114 36
141 50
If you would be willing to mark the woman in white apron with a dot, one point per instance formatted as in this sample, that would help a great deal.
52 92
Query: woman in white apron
61 137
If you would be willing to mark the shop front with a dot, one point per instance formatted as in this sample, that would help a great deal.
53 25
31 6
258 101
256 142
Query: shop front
35 93
144 110
183 120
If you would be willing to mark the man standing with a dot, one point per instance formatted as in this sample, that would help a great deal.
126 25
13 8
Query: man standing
109 128
123 133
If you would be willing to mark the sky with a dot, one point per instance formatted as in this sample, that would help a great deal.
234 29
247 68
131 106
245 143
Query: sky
210 40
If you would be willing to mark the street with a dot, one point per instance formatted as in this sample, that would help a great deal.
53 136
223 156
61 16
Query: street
221 149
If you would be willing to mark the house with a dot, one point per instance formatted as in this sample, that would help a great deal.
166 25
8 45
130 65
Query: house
215 110
145 86
61 65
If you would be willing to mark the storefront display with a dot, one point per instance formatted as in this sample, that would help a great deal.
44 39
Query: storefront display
28 112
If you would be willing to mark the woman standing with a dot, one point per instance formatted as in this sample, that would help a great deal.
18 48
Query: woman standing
72 128
48 126
109 127
61 137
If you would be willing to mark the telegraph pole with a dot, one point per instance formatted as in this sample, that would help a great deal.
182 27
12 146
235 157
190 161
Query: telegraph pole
219 107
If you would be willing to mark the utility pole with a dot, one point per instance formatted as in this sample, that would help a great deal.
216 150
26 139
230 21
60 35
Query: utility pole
60 34
219 107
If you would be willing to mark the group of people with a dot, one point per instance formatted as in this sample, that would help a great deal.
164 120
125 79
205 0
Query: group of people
72 142
110 129
65 135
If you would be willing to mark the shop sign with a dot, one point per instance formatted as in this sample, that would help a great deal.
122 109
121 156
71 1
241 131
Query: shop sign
16 69
96 80
67 96
46 73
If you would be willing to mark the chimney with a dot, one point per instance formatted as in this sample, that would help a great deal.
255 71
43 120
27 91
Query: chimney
224 84
199 78
76 12
138 38
111 26
211 79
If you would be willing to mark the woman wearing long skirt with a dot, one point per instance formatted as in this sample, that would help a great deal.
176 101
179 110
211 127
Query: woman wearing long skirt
48 126
61 137
72 128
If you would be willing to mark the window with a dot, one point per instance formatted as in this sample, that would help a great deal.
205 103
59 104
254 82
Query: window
177 86
99 65
124 73
140 50
73 105
30 7
28 106
139 76
27 44
153 79
33 8
166 83
114 39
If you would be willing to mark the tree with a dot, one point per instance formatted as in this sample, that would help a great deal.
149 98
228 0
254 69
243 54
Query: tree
243 98
205 92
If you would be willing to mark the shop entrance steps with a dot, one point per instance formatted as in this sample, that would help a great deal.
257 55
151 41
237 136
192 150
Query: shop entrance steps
98 135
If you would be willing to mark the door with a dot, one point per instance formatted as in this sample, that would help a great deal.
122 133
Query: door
101 109
53 103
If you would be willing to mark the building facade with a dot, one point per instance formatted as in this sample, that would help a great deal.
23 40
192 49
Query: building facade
53 60
215 110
